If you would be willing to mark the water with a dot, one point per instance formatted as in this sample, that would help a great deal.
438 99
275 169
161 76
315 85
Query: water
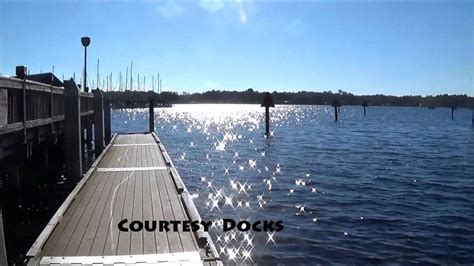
396 186
27 211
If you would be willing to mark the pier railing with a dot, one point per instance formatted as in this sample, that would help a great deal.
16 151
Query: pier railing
32 104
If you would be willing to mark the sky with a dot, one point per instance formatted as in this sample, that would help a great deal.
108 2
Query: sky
363 47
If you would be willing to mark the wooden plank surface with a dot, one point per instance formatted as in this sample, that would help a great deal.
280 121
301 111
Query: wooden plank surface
89 226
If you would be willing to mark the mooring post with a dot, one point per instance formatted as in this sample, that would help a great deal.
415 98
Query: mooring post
13 177
453 108
151 111
336 104
98 122
107 121
267 121
41 162
88 126
267 103
72 131
365 104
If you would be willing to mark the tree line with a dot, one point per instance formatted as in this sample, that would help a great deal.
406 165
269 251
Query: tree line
130 99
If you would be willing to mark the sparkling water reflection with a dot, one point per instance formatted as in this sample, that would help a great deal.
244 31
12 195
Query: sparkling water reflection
394 186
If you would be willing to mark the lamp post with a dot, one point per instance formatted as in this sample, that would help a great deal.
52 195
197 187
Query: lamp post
85 42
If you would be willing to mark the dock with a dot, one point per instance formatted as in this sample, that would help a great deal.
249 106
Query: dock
135 179
132 179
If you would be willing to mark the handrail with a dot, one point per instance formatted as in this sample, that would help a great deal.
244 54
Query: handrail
38 104
12 83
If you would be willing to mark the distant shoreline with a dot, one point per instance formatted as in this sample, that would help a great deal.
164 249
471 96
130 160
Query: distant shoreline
132 99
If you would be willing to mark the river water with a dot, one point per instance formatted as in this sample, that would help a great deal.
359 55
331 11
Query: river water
395 186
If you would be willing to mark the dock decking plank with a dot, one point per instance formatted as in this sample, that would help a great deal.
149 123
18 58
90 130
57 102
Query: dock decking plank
58 239
91 229
173 237
149 242
186 237
161 238
79 229
123 246
103 229
136 239
111 242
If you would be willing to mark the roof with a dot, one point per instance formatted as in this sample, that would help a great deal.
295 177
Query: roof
46 78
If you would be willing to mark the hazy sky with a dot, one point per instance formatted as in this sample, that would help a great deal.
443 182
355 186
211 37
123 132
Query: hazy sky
397 48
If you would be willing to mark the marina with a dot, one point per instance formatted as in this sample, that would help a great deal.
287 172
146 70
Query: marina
236 133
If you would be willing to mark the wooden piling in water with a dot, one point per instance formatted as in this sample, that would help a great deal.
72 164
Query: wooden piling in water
72 131
336 104
98 122
151 111
267 121
453 108
107 121
12 168
267 103
365 104
89 134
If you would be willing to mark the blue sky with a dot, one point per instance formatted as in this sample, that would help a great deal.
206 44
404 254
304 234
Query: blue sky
397 48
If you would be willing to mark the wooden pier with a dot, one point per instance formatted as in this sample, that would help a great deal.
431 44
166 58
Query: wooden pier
132 179
38 119
36 113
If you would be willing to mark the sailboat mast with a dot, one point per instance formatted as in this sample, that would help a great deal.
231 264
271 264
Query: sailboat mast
98 79
120 81
126 79
131 77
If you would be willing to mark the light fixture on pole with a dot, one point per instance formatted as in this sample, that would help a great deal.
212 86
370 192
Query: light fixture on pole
85 42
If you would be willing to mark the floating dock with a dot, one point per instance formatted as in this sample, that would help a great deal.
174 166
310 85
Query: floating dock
134 179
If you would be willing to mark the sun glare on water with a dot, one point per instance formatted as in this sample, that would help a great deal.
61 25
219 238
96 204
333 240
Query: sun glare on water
230 167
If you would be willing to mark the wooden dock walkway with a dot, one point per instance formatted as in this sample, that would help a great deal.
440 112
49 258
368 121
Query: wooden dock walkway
132 179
